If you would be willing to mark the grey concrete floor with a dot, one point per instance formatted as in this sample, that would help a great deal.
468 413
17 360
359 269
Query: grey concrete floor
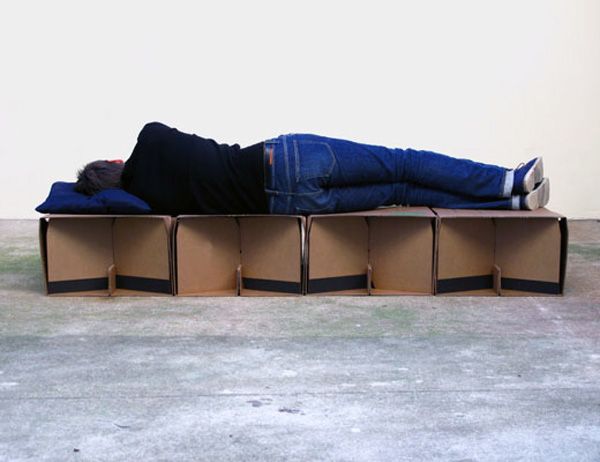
302 379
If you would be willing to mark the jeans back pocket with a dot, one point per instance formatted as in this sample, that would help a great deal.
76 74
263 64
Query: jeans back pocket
314 158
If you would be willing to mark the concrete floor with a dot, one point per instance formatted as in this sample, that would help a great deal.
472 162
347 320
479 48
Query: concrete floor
341 379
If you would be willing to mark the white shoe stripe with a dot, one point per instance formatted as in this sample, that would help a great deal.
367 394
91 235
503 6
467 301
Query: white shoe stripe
509 180
515 202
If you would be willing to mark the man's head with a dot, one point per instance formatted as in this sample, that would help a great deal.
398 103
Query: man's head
99 175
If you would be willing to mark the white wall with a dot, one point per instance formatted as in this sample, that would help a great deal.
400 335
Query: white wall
493 81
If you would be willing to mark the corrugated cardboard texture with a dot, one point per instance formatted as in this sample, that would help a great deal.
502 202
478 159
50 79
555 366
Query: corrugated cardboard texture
466 249
79 248
528 247
395 211
397 243
401 255
271 251
466 213
141 249
267 250
208 254
338 246
106 252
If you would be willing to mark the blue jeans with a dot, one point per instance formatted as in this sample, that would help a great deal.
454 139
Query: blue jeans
309 174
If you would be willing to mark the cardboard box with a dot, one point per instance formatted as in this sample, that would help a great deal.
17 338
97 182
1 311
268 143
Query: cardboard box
387 251
104 255
501 252
239 255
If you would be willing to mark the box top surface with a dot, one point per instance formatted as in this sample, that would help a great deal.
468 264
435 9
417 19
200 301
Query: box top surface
420 212
52 216
469 213
242 215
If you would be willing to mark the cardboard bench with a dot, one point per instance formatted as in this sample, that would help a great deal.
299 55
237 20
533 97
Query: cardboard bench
219 255
387 251
104 255
397 250
501 252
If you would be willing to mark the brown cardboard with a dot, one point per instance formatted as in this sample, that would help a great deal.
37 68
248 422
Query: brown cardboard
396 250
271 250
378 252
256 255
101 255
207 255
338 254
528 249
401 255
466 250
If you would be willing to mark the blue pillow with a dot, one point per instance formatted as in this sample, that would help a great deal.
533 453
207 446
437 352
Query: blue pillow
64 199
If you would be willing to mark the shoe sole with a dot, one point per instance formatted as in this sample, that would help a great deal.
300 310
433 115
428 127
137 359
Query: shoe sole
534 176
539 197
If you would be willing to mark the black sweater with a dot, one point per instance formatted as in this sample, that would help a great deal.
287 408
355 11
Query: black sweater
177 173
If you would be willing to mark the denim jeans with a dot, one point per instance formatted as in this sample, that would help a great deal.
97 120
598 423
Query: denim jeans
309 174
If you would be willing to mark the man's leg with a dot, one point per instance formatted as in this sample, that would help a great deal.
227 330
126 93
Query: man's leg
364 197
357 163
367 197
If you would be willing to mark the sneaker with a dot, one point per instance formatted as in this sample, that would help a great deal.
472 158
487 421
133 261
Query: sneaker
527 176
537 198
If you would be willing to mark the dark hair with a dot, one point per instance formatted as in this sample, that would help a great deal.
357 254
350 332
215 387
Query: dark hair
98 175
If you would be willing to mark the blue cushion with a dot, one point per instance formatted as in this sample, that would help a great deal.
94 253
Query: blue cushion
64 199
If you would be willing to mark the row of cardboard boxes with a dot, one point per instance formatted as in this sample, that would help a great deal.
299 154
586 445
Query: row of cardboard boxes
389 251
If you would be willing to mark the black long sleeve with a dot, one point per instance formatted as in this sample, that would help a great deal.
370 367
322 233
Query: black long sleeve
178 173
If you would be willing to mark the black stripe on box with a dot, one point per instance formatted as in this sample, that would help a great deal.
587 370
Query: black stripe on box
465 284
271 285
162 286
528 285
77 285
338 283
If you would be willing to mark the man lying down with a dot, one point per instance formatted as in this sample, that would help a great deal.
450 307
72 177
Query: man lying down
178 173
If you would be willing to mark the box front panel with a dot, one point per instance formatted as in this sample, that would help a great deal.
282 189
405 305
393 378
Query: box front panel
401 254
208 254
79 253
271 255
528 254
338 255
466 256
141 251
